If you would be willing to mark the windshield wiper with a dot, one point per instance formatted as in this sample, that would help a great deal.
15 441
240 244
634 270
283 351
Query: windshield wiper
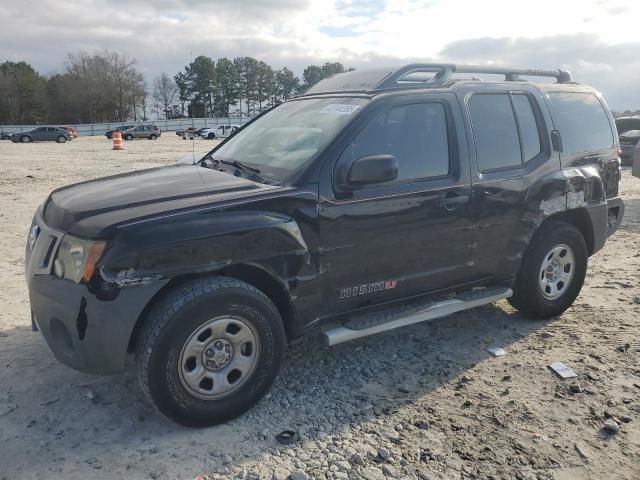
237 164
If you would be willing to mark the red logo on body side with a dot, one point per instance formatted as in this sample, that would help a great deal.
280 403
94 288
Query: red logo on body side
390 284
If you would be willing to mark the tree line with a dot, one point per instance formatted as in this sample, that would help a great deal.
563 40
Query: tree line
108 87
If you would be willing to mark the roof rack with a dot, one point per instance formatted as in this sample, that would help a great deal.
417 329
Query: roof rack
408 77
444 72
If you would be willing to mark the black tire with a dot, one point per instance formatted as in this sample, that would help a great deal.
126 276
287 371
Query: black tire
153 136
528 296
128 137
61 139
170 324
211 136
25 139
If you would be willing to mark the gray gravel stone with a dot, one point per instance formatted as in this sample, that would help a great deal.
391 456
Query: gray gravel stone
383 453
611 427
372 473
280 474
299 475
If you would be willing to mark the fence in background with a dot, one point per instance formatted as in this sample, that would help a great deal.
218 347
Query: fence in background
89 129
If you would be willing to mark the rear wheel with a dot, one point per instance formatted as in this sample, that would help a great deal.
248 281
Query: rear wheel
153 136
61 139
552 271
210 351
211 136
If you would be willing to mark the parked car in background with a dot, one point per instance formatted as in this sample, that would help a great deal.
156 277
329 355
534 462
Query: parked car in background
121 128
42 134
221 131
629 135
187 131
142 131
72 131
624 124
5 136
629 140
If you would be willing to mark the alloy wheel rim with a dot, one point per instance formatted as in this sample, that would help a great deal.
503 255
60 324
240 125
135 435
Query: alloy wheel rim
556 271
219 357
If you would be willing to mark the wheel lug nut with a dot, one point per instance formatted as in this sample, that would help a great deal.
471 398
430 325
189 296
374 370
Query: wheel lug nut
218 345
209 363
208 352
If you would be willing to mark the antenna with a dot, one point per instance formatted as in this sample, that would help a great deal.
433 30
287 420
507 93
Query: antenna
193 127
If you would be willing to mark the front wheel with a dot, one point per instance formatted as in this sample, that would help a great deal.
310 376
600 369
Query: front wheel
209 351
211 136
128 137
552 271
153 136
61 139
25 139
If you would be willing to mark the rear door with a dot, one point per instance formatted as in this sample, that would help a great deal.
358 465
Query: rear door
409 236
511 146
39 134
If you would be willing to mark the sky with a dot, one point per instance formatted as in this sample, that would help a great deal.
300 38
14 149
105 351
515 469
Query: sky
596 40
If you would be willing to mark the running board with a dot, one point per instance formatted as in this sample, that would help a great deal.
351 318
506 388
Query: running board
411 313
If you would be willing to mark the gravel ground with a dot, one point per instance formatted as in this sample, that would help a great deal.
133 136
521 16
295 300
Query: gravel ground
425 402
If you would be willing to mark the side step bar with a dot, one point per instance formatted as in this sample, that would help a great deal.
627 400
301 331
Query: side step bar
421 313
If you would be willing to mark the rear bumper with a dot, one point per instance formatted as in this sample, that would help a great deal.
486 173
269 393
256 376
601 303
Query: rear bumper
605 220
615 214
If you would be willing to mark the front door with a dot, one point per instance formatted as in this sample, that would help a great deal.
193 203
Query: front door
406 237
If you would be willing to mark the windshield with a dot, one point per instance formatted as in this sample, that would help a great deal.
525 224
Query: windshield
289 136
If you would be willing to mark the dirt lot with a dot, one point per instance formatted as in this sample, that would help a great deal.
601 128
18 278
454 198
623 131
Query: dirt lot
422 402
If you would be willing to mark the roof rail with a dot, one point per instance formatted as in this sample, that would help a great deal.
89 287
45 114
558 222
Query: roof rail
444 72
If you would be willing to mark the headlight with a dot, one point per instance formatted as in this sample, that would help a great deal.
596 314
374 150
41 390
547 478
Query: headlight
76 259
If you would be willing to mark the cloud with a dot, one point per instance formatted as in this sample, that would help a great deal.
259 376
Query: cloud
614 69
163 34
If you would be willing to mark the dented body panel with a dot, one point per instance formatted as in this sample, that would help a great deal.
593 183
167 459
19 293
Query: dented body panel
326 252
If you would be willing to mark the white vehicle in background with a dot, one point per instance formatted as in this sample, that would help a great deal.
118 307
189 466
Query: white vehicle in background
221 131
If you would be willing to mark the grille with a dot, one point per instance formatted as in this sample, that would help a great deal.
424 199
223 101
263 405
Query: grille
40 255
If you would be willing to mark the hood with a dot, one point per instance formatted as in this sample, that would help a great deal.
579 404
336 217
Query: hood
87 209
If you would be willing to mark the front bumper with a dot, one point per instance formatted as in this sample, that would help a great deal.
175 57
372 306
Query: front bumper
87 326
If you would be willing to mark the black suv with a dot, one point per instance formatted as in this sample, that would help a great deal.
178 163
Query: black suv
376 200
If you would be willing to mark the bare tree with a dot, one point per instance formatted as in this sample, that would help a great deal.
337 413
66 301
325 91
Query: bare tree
108 85
164 93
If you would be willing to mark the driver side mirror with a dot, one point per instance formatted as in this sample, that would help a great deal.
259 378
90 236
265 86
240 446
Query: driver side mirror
373 169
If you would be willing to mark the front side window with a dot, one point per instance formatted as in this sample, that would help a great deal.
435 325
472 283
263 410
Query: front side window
415 134
288 137
505 130
582 121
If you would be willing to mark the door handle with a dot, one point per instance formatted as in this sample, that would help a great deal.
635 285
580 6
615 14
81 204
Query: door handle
451 203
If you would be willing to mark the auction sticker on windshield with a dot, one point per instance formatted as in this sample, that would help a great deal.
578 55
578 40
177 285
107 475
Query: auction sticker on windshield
340 108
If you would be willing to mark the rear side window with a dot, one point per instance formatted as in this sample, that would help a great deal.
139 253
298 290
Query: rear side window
582 121
527 125
415 134
505 130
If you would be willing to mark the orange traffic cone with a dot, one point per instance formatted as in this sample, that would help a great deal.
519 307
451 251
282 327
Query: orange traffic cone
118 144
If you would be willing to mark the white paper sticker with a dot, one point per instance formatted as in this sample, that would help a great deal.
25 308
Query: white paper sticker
340 108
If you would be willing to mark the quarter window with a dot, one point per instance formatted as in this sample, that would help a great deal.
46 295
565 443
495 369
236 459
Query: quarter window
415 134
528 126
505 130
582 121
